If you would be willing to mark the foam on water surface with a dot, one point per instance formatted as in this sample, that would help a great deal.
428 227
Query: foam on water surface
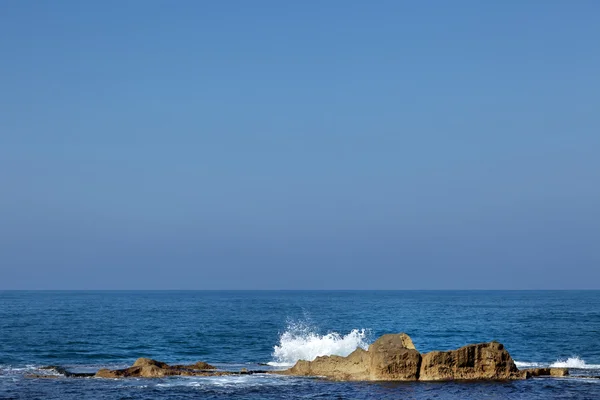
571 362
226 381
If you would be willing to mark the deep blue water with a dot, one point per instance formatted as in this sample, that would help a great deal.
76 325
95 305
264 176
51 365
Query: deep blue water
88 330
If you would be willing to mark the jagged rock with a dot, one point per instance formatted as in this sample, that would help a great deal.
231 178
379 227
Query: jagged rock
351 368
488 361
547 371
394 358
148 368
148 362
201 365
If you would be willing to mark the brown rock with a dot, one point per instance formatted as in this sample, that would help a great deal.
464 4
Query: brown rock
148 362
201 365
559 372
394 358
391 357
351 368
547 371
488 361
148 368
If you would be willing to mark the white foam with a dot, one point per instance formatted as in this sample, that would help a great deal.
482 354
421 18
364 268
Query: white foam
571 362
301 342
236 382
574 362
524 364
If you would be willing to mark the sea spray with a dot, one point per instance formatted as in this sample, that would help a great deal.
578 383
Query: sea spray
302 342
573 362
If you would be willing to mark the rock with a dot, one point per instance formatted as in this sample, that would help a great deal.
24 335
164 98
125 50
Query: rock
559 372
355 367
391 340
547 371
148 362
148 368
488 361
394 358
391 357
201 365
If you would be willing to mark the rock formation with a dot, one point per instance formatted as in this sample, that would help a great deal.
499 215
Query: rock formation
488 361
547 371
391 357
394 358
148 368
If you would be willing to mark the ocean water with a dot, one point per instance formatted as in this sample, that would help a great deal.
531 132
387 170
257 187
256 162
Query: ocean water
85 331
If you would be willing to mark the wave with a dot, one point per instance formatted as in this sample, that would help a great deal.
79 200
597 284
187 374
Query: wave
302 342
226 382
571 362
525 364
574 362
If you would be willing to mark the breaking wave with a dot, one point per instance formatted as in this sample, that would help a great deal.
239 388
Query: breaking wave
574 362
302 342
571 362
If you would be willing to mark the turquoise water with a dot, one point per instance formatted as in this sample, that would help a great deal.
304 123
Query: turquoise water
84 331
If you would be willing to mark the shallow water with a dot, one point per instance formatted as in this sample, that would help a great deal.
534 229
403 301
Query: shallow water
85 331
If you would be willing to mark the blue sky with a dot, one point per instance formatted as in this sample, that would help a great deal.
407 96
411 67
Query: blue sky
299 145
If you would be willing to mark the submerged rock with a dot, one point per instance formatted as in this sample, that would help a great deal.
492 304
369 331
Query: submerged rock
59 372
547 371
394 358
148 368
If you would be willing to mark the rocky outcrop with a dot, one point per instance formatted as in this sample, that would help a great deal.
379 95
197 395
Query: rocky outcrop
488 361
557 372
148 368
394 358
391 357
351 368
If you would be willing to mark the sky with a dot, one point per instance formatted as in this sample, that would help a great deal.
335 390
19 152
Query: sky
299 145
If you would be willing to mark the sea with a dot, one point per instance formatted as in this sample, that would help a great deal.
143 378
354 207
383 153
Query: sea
83 331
